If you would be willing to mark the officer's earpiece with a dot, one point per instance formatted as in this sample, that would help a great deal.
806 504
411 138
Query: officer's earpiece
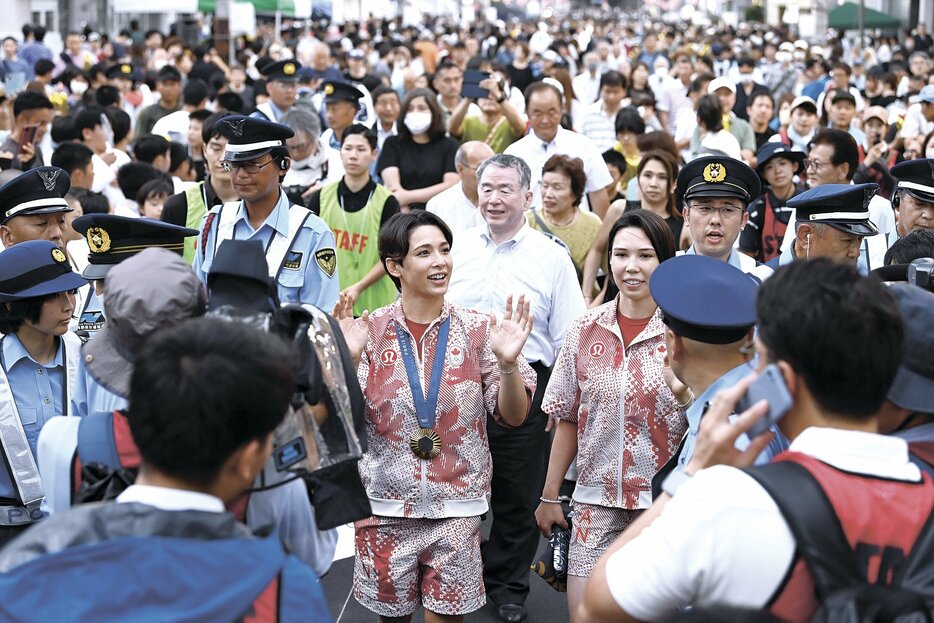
896 198
284 164
807 240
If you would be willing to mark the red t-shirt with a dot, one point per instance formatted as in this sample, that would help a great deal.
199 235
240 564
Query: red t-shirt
417 329
631 327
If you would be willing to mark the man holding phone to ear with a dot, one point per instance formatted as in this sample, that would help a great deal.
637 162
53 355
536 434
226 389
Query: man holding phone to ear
32 114
718 538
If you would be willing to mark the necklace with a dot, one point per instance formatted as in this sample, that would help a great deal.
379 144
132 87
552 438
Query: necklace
574 215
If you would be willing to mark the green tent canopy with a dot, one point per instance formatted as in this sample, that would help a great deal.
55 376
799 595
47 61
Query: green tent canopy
846 17
262 6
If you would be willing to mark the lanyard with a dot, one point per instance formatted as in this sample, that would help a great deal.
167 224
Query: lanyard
425 410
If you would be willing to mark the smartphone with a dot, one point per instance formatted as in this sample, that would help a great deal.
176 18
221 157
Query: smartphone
28 135
770 386
471 86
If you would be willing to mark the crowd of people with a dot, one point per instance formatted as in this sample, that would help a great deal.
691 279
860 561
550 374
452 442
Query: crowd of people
415 277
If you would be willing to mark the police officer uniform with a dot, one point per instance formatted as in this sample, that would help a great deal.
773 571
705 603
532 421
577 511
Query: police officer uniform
916 178
841 206
712 302
339 92
283 71
719 177
31 392
39 191
299 246
112 239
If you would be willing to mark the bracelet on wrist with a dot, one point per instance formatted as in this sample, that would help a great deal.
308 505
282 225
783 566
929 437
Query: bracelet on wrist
687 403
507 372
547 501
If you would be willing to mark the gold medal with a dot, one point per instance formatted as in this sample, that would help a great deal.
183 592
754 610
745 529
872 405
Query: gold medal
425 444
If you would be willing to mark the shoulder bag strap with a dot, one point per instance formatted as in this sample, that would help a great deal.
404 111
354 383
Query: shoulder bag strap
813 522
96 440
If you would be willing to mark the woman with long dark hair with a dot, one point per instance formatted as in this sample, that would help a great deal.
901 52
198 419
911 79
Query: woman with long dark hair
611 395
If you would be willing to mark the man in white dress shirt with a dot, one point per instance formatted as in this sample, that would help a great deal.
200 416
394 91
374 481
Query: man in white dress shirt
502 257
458 205
547 138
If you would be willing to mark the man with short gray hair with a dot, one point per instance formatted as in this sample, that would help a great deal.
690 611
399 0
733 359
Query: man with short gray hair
493 260
459 204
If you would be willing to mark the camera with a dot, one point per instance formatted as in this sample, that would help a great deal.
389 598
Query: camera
921 273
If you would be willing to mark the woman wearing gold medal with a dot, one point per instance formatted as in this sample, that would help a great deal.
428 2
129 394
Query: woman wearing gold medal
431 371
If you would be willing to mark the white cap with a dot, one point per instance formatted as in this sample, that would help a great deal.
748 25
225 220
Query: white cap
786 45
721 83
801 43
803 100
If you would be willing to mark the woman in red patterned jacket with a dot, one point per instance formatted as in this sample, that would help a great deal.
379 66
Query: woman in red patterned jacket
614 409
430 373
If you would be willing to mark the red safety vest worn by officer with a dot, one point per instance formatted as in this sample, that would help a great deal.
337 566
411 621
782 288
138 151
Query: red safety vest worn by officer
881 519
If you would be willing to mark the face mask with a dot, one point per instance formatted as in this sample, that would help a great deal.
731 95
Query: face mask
783 56
313 161
746 78
799 55
593 67
417 122
77 87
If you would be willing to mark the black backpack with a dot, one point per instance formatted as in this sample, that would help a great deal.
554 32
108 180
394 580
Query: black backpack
844 594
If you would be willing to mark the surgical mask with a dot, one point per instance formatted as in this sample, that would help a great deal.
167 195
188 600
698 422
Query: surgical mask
745 78
592 67
799 55
417 122
313 161
783 56
78 87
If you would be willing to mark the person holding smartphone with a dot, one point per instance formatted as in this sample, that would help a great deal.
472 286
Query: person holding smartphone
32 114
709 308
501 124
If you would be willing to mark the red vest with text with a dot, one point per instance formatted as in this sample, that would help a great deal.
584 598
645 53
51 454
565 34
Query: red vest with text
882 519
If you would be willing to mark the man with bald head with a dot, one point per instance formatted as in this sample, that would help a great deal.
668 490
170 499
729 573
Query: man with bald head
458 205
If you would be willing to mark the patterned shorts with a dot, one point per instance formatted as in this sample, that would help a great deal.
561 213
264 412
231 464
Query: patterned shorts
403 562
595 528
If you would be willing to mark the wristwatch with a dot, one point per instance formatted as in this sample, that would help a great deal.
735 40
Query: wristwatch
674 480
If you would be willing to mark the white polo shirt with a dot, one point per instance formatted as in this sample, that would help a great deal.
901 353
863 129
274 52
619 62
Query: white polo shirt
455 209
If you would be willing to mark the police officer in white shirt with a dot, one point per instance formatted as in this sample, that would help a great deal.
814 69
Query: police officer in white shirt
547 138
502 257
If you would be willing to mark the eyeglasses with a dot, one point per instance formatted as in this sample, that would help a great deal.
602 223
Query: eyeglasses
250 166
726 213
815 164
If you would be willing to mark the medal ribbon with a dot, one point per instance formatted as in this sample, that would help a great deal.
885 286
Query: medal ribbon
425 410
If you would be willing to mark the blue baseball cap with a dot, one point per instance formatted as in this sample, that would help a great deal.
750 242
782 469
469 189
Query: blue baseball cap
705 299
35 268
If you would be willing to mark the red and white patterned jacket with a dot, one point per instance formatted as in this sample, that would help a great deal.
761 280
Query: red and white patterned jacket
628 421
457 482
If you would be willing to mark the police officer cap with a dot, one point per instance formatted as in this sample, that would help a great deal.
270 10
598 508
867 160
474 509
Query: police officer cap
704 299
283 71
718 176
112 239
913 386
842 206
916 177
37 191
249 138
35 268
245 261
780 150
341 92
124 70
